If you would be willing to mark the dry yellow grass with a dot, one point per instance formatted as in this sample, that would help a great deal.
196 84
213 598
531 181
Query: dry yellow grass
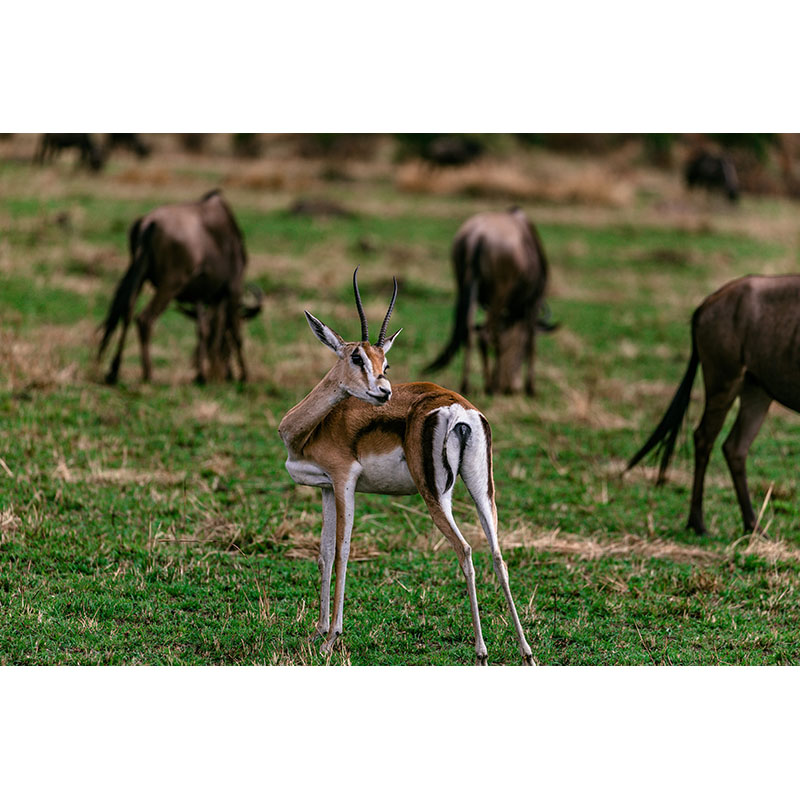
10 524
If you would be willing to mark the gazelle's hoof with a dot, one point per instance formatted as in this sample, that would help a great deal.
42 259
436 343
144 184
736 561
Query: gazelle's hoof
329 643
318 634
482 661
529 661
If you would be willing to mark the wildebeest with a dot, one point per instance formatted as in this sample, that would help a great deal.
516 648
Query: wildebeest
714 173
452 151
193 253
500 264
746 336
128 141
52 144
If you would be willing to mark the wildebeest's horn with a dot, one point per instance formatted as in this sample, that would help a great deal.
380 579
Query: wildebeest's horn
361 315
382 334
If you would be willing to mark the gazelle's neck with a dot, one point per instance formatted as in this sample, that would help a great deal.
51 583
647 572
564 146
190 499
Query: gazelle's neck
301 420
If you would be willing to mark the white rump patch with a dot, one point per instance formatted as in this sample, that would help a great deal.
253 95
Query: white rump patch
385 473
471 462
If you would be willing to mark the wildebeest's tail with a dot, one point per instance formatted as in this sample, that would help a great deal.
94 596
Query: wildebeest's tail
131 283
666 432
466 275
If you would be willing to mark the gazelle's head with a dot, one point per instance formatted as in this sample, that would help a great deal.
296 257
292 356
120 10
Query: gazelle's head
361 370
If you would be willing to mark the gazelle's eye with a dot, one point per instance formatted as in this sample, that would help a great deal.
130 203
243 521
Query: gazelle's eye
357 360
385 369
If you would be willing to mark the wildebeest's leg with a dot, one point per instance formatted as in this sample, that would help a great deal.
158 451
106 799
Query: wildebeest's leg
42 151
483 343
234 330
492 345
530 353
201 351
113 371
754 403
719 398
154 309
469 337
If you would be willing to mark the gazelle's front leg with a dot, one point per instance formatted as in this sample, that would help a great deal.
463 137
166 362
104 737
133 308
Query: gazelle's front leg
345 506
327 550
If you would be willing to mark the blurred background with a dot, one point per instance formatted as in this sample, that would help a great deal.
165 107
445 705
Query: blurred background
168 496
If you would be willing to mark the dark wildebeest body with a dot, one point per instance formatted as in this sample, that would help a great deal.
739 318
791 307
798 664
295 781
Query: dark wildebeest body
500 265
452 151
52 144
128 141
714 173
193 253
747 337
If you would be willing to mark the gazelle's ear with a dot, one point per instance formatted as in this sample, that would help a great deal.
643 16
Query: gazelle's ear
326 335
387 345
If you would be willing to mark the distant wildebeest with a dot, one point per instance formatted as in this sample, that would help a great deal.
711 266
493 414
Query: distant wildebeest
127 141
452 151
51 144
714 173
499 264
746 336
193 253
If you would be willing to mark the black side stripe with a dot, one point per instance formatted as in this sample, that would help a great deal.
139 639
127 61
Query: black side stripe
394 426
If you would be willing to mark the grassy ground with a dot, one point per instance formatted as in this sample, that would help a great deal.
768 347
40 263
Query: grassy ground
157 525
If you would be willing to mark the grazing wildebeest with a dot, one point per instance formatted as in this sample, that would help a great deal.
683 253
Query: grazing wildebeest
193 253
128 141
714 173
452 151
500 264
747 337
53 143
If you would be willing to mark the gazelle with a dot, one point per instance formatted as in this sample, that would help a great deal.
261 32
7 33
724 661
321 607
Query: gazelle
354 432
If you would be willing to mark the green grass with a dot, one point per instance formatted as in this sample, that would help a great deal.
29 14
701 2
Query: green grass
157 524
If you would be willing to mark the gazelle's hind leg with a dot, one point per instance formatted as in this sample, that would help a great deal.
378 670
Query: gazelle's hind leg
454 440
441 511
476 472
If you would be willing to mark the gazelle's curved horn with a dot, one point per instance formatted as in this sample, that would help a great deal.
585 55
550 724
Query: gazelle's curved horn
361 315
382 334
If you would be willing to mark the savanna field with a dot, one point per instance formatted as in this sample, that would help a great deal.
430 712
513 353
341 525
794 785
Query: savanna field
156 524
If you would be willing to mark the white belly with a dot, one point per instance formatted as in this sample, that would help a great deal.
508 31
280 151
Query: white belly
385 473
